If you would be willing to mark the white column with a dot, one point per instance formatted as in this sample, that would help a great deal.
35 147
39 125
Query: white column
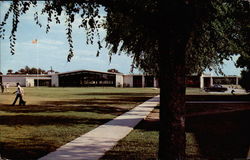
143 81
155 85
54 80
201 81
211 81
237 80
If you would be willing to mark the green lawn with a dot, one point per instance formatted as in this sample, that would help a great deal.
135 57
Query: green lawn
55 116
140 144
213 131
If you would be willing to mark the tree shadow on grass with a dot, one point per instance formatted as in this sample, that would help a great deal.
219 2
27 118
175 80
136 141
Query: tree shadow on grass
34 147
221 136
25 150
112 106
115 106
218 97
100 109
19 120
117 94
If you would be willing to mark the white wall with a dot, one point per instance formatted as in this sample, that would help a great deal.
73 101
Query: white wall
119 80
127 80
24 81
201 81
13 80
54 80
143 81
156 83
30 82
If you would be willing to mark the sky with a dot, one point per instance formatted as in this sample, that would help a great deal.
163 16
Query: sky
52 48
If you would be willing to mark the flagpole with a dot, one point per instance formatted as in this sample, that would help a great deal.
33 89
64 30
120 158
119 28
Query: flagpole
37 62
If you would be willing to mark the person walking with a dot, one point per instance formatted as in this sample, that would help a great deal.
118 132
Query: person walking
2 87
7 87
19 94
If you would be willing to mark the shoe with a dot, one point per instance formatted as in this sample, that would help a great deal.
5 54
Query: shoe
24 102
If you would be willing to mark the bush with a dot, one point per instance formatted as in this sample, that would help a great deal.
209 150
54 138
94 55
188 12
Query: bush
245 80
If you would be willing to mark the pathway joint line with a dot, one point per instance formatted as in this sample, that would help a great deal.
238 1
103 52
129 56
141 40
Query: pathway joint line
94 144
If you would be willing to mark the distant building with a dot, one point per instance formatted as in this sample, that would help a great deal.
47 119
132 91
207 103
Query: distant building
207 80
26 80
88 78
137 80
85 78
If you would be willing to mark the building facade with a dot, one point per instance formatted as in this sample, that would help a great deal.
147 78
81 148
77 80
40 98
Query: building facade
26 80
88 78
207 80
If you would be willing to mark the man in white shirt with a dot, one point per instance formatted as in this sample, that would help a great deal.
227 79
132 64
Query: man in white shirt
7 87
19 94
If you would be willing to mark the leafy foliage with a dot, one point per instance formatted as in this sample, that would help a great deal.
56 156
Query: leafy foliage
244 59
218 36
244 62
245 80
10 71
28 70
89 12
133 28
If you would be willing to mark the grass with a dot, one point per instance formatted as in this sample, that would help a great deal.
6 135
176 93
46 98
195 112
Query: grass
55 116
213 132
140 144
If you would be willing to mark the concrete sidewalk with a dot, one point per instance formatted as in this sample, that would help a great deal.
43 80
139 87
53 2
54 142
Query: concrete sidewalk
95 143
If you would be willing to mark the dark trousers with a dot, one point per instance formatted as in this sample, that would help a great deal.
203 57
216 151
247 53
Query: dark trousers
21 101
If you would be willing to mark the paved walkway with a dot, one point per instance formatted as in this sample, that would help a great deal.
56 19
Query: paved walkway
95 143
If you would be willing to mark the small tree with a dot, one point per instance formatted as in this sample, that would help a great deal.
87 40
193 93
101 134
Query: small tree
245 80
10 71
113 70
244 62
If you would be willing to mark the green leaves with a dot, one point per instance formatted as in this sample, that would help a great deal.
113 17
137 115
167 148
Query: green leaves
220 29
88 10
217 38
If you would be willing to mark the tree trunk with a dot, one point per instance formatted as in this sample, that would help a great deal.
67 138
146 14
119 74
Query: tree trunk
172 106
174 37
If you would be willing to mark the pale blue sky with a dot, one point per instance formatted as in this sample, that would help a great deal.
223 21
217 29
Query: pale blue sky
52 48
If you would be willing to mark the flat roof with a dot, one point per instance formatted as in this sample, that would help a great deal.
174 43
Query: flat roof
88 71
222 76
26 75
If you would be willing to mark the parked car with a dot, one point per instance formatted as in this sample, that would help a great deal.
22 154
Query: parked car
216 88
